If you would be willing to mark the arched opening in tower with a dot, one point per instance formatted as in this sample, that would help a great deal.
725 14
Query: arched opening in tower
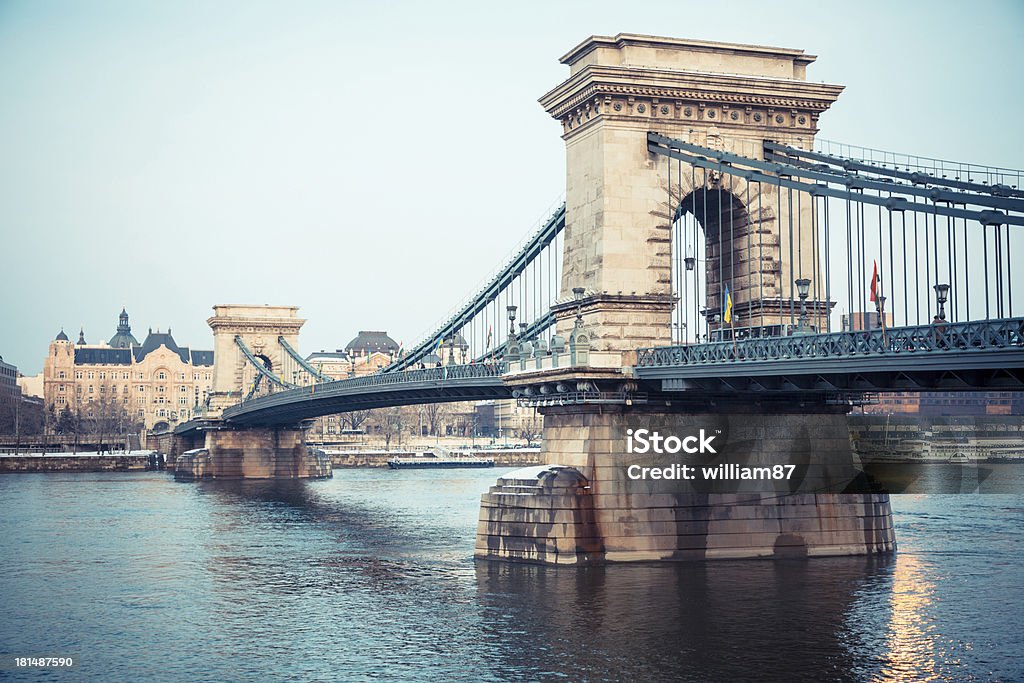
724 266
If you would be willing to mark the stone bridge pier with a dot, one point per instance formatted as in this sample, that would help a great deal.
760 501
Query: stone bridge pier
212 448
599 502
252 453
585 506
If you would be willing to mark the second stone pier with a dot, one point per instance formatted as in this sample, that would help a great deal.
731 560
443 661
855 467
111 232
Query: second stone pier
597 504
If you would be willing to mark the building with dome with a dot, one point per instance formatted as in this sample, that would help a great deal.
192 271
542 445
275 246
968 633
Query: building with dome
157 382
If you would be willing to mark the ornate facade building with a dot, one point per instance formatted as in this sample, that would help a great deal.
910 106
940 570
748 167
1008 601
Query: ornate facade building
157 382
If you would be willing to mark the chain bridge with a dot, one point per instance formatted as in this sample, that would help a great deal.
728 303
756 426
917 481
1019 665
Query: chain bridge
713 260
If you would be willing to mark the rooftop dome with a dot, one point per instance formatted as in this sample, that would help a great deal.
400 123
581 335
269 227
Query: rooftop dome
123 339
61 336
370 341
458 341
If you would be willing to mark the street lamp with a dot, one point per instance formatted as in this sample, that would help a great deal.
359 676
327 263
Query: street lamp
803 286
942 296
511 321
577 294
690 262
880 308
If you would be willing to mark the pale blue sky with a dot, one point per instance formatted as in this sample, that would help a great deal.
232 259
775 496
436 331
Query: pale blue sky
372 162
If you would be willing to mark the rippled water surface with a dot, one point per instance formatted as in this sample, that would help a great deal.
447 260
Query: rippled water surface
370 576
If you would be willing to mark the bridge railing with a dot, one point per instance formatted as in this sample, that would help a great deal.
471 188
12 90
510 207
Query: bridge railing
966 337
433 374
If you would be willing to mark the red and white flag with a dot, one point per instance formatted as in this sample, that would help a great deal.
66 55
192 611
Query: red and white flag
874 283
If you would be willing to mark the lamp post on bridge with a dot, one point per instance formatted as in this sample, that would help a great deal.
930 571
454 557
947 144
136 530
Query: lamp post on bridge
941 296
511 322
803 286
880 310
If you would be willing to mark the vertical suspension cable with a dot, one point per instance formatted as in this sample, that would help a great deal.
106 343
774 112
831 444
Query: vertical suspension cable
862 230
917 269
789 283
732 253
749 288
951 257
849 265
671 243
999 270
677 236
883 274
721 265
928 272
760 255
892 268
696 261
815 258
1009 277
707 269
984 247
906 290
967 279
828 268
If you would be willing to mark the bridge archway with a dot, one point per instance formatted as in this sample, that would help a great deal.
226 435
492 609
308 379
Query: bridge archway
722 235
258 329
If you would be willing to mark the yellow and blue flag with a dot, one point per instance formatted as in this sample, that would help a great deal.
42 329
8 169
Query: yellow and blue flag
728 306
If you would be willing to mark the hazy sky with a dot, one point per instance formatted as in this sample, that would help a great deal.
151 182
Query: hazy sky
373 162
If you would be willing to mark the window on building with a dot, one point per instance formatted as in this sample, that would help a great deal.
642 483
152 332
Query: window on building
182 389
90 388
140 401
62 387
125 401
103 389
126 376
195 376
103 375
183 401
61 400
78 375
142 413
92 375
113 389
60 375
161 375
182 377
160 389
142 388
161 413
207 377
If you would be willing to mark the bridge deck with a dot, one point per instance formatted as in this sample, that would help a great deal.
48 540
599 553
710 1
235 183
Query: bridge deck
450 383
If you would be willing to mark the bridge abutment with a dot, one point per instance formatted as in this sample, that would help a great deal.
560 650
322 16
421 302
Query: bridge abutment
593 507
253 453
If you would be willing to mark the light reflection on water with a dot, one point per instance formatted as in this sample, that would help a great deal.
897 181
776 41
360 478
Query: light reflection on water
370 575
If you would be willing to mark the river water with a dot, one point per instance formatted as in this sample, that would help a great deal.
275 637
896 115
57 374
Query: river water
370 576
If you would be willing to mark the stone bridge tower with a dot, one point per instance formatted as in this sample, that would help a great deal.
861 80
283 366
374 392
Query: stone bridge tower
259 328
617 239
586 507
